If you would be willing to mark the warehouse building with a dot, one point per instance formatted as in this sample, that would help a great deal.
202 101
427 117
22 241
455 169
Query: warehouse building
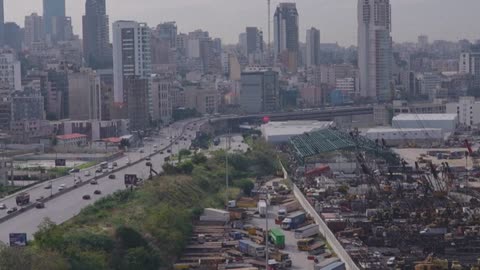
446 122
405 137
281 132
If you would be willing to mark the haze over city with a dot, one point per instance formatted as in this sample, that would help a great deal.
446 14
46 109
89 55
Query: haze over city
440 19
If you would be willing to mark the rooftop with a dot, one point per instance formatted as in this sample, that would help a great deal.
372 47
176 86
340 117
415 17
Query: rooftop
293 127
425 117
71 136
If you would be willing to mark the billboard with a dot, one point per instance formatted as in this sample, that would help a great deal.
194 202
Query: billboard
131 179
60 162
18 239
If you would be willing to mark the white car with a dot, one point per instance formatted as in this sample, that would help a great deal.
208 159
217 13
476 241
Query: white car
61 187
391 261
3 206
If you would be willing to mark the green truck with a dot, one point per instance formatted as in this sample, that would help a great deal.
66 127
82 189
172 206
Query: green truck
277 237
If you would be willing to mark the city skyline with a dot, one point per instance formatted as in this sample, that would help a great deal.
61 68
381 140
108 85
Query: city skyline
316 13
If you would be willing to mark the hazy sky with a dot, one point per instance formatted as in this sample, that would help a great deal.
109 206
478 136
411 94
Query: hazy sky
337 19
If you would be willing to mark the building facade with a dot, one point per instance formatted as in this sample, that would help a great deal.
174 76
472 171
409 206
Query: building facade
52 9
10 72
375 49
286 35
96 44
34 31
467 109
313 47
259 91
162 98
83 95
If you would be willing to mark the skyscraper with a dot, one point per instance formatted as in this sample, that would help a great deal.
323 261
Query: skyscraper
254 40
286 35
2 24
132 70
96 40
313 47
168 32
375 49
51 10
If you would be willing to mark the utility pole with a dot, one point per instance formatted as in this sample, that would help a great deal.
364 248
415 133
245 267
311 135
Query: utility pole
227 141
266 233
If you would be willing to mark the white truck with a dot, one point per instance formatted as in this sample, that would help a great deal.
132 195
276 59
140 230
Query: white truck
262 208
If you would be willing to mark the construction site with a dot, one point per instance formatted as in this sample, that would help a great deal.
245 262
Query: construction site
410 208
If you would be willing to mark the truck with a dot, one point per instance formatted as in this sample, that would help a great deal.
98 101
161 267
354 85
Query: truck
262 208
277 237
250 248
23 199
282 258
294 220
285 209
307 231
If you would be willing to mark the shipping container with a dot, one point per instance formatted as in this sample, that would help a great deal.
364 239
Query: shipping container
307 231
294 220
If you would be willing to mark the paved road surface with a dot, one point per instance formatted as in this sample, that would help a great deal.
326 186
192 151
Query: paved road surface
68 205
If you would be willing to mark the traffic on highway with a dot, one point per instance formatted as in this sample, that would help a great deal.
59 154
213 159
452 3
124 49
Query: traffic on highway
70 194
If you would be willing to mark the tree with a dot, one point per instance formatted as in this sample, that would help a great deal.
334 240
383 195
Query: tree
199 159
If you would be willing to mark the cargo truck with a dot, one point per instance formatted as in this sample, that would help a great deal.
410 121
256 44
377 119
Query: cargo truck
262 208
22 199
277 237
294 220
251 249
307 231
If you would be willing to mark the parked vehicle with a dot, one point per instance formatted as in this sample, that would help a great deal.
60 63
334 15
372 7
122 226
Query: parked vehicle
277 237
97 192
294 220
112 176
262 208
307 231
86 197
39 205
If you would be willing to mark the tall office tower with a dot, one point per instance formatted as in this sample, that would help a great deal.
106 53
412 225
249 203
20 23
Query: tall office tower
286 35
254 45
422 41
2 24
10 72
259 90
34 31
96 39
14 34
132 70
375 49
52 9
313 47
168 32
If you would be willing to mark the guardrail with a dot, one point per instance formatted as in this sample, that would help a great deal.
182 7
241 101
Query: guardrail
83 183
323 228
325 231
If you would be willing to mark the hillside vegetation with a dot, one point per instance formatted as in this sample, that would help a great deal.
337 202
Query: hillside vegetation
146 228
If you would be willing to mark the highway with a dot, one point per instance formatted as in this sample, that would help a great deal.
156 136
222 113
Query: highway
66 206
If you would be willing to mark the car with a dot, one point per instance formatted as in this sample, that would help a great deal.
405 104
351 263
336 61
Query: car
114 164
40 198
141 151
391 261
39 205
86 197
161 153
3 206
97 192
87 173
148 159
12 210
48 186
74 170
93 182
112 176
169 151
377 254
148 164
99 170
61 187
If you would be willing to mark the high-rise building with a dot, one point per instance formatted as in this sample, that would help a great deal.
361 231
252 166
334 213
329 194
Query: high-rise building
286 35
254 40
96 39
52 10
259 90
375 49
132 70
34 31
2 24
313 47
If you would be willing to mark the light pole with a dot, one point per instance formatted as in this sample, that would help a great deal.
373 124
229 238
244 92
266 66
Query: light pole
227 141
266 233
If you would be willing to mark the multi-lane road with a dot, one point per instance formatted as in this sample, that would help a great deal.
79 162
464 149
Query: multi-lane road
66 206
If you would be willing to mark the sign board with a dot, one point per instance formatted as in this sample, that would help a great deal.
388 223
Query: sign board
131 179
18 239
60 162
